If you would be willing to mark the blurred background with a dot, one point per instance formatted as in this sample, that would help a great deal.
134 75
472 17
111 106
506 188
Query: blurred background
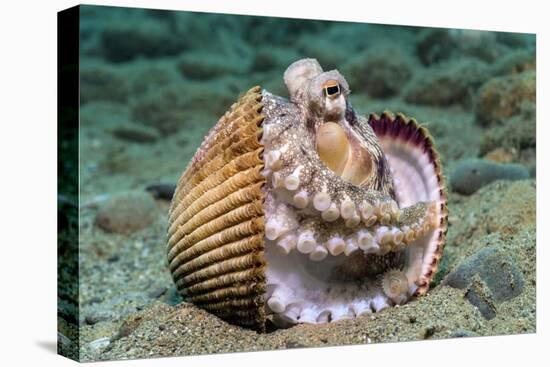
153 82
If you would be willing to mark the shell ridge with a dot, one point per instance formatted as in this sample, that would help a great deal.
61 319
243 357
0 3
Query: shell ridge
241 180
230 170
216 140
235 149
216 219
225 235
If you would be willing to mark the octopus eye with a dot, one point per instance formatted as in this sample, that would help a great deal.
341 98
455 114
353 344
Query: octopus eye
331 88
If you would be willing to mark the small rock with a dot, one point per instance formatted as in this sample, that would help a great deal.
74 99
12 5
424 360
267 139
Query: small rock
428 331
100 343
126 213
136 133
490 276
293 344
462 333
495 268
95 318
161 191
157 292
113 258
95 300
472 174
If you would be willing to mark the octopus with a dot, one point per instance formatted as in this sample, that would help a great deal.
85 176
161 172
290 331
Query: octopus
300 210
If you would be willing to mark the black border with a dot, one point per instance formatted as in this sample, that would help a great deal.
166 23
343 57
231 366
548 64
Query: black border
68 34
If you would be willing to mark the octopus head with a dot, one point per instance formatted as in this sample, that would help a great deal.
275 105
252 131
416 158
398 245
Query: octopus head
347 149
323 95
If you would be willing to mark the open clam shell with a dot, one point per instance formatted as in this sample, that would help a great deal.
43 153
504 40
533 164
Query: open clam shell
266 222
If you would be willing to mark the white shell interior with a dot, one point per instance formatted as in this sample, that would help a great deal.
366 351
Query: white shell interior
310 295
414 179
414 176
305 286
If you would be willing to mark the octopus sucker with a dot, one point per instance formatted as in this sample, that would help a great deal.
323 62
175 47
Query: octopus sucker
299 210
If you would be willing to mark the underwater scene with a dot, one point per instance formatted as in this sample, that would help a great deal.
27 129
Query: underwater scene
378 185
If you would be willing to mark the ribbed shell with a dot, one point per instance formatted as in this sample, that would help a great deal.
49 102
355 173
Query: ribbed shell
216 219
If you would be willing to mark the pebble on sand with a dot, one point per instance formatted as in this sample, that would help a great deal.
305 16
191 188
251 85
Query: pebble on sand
472 174
136 133
100 343
490 277
126 212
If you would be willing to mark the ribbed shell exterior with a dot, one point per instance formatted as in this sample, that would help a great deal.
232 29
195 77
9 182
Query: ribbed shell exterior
216 219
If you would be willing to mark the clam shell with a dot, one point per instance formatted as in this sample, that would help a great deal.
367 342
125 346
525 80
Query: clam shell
216 246
216 219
